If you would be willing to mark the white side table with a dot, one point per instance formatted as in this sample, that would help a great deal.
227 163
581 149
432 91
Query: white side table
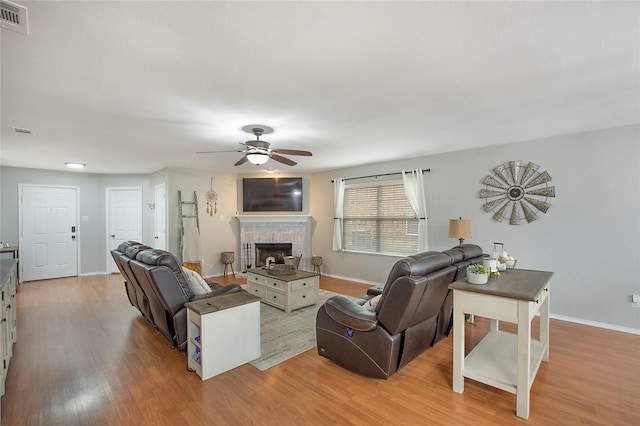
222 333
503 360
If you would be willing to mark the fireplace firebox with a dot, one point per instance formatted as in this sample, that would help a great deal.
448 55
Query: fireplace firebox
276 250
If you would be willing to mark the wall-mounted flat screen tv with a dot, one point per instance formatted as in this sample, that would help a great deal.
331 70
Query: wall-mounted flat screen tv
272 194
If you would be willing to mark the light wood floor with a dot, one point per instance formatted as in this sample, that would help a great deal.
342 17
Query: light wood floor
84 356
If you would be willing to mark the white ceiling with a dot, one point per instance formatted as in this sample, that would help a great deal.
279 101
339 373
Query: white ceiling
133 87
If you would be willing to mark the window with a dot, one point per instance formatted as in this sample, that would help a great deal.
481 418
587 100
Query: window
378 218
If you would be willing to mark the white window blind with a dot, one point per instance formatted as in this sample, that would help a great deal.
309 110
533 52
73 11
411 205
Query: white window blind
378 218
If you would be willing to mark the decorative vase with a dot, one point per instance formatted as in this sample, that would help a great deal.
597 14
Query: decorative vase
477 278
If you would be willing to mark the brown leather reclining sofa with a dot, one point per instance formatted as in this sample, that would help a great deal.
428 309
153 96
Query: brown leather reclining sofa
413 313
156 285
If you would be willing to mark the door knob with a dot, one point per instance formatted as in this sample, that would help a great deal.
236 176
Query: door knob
113 235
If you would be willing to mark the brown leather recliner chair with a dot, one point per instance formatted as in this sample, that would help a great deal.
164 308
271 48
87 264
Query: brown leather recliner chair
403 326
157 286
461 257
160 275
122 256
413 314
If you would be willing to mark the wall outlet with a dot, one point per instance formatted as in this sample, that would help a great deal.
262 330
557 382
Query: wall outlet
635 300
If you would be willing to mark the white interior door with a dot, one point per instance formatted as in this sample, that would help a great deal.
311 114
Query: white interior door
161 217
124 219
48 237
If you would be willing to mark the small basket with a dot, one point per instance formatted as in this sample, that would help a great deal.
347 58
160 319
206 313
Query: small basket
511 264
227 257
280 269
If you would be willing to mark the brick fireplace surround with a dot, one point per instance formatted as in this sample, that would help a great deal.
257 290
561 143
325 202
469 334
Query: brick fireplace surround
294 229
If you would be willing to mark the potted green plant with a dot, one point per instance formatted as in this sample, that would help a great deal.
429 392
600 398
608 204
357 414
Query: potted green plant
477 274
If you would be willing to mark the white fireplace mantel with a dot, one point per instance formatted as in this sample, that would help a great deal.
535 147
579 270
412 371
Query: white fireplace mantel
261 218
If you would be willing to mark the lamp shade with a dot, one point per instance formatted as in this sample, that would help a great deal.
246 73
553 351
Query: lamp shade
460 228
257 158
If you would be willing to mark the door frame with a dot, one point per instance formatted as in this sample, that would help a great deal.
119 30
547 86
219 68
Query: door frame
108 190
163 213
21 186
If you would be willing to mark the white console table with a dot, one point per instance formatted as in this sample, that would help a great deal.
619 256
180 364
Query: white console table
503 360
223 332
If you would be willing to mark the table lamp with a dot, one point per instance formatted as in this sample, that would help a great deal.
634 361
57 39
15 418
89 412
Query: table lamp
460 229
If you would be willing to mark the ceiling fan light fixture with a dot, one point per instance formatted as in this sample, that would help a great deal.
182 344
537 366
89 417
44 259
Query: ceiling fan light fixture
257 158
258 152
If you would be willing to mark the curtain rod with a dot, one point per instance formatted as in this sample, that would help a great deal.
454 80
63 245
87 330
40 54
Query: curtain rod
377 176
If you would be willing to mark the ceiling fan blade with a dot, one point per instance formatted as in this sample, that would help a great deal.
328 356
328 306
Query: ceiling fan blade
244 149
241 161
292 152
282 160
215 152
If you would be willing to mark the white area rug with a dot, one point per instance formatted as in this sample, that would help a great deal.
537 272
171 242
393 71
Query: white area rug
284 336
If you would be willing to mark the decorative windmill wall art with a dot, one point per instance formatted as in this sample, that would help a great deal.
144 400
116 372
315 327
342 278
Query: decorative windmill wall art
521 191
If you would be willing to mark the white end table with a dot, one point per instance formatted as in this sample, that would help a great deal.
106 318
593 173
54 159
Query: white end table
223 332
503 360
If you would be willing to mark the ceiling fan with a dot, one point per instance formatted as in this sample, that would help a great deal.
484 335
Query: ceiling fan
258 152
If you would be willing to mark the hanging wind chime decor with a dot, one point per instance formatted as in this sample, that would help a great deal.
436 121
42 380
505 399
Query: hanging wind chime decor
212 201
521 188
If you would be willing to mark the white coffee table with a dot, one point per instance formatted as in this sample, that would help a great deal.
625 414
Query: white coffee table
287 292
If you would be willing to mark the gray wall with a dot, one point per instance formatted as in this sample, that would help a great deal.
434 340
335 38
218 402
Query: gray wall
92 200
589 237
217 233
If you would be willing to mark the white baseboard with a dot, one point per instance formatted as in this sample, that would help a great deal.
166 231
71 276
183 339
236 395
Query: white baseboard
237 275
596 324
88 274
371 283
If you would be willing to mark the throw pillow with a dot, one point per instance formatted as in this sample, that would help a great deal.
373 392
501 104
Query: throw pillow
196 283
371 304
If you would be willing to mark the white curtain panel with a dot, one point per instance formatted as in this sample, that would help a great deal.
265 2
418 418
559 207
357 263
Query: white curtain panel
338 213
413 181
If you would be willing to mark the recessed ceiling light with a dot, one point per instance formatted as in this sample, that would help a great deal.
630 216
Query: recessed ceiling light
75 165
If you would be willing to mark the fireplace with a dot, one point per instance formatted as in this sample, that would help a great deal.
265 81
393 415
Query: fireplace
274 229
276 250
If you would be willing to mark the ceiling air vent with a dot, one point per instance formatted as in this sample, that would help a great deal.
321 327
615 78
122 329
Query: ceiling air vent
14 17
22 130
